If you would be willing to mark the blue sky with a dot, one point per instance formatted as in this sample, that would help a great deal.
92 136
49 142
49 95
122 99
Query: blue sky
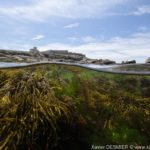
114 29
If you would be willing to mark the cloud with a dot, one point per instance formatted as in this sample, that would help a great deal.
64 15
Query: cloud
38 37
41 10
88 39
73 38
74 25
142 10
15 46
84 39
137 46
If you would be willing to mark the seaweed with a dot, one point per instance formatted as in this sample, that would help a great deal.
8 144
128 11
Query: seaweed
68 107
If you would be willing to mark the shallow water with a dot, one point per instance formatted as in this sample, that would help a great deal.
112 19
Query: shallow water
10 64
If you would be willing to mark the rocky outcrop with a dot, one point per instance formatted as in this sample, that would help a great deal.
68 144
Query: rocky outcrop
34 55
13 56
35 52
129 62
101 61
63 54
13 52
147 60
108 62
37 55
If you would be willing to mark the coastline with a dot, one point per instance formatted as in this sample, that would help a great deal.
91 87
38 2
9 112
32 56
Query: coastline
114 68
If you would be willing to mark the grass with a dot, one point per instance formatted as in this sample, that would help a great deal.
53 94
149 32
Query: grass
64 107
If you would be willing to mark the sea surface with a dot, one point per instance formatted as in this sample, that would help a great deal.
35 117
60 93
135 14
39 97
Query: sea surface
139 69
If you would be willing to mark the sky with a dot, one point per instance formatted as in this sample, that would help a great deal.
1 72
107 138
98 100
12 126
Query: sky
115 29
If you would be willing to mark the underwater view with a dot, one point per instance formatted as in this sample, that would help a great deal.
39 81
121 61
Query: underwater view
62 107
75 75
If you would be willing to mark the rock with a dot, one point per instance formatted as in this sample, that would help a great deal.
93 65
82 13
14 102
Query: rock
63 54
18 58
92 61
147 60
2 55
34 55
129 62
35 52
108 62
101 61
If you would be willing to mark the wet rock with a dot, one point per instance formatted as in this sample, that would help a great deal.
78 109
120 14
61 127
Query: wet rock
101 61
108 62
129 62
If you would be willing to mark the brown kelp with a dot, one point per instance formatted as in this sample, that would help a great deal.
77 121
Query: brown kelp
29 111
60 107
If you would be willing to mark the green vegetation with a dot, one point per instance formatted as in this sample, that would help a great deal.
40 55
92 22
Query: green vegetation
62 107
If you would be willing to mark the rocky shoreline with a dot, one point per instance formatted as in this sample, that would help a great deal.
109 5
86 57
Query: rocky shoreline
34 55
